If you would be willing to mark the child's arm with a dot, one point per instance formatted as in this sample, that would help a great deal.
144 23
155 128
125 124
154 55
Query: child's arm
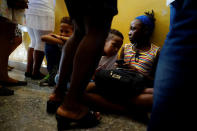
60 37
52 40
64 38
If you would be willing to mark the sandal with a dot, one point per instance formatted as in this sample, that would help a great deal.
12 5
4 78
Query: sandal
18 83
10 68
27 74
6 92
88 121
37 76
52 106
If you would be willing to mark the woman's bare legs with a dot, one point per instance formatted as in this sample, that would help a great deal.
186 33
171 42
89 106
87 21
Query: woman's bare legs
145 99
6 35
86 59
99 102
17 41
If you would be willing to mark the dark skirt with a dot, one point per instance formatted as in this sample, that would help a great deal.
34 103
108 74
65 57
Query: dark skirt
91 7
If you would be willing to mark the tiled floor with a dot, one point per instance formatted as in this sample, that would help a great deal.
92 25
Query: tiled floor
25 111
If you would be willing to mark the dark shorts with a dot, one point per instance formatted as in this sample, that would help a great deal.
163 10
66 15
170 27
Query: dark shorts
91 7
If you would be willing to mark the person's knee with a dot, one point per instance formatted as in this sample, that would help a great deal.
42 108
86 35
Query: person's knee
148 91
143 100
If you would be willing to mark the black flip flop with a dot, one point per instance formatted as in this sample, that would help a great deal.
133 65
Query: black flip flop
52 106
6 92
88 121
18 83
27 74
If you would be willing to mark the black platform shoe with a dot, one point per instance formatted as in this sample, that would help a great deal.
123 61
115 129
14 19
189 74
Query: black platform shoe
88 121
52 106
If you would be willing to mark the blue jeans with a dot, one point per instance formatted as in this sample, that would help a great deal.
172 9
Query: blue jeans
175 82
53 54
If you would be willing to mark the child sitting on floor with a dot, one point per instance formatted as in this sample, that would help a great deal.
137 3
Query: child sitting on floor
53 49
112 45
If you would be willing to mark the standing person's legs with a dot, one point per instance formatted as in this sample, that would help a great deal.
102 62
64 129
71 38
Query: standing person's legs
38 54
30 52
86 59
7 35
7 47
66 62
173 106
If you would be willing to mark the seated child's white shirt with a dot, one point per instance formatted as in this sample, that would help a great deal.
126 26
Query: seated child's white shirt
107 62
